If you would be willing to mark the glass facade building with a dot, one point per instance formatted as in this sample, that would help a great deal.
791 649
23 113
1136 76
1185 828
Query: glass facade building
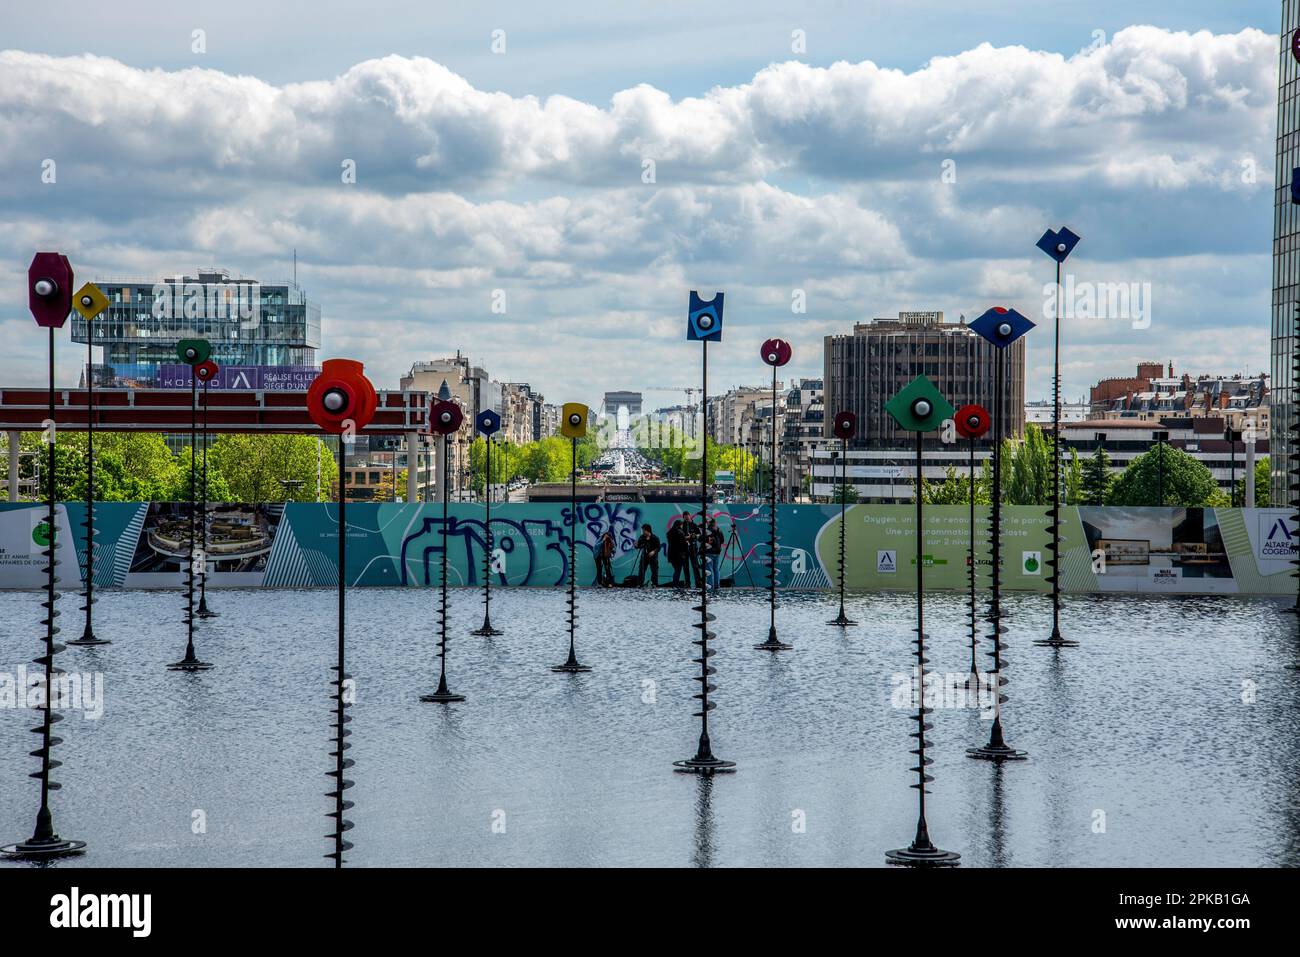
249 323
1286 253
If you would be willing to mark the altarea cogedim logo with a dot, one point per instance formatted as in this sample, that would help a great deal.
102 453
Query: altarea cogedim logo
1277 538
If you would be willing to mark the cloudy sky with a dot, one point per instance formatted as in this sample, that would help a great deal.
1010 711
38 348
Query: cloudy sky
864 158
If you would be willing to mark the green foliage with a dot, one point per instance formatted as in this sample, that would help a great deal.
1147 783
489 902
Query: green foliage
218 489
1097 478
254 465
955 488
1186 481
383 492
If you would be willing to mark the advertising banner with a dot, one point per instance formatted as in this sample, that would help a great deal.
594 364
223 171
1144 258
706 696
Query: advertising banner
1180 550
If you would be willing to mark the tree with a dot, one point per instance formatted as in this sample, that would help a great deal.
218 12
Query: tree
1097 478
846 494
132 467
255 465
955 489
383 492
1029 468
218 490
1186 482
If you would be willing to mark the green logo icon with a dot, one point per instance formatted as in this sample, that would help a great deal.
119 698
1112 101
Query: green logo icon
41 534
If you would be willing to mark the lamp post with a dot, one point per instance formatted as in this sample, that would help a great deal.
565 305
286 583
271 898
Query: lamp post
844 427
920 408
776 353
1058 245
1232 437
1001 327
341 401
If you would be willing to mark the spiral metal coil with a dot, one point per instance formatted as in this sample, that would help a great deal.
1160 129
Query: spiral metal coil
44 842
1053 559
571 666
704 761
771 562
1294 471
191 661
489 543
341 764
996 749
443 694
971 577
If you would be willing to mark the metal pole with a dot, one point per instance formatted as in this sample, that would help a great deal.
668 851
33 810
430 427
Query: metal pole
487 630
843 620
341 704
970 557
772 643
204 611
1056 640
88 633
443 694
704 761
997 749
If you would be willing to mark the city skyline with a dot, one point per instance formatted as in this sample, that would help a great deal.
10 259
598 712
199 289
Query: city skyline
503 211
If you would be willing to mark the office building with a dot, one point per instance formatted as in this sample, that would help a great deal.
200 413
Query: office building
865 370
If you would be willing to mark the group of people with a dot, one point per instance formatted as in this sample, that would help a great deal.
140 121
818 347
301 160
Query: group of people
695 543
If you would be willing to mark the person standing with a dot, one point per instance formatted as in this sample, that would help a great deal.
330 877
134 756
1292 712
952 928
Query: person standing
713 541
677 554
648 545
694 549
605 560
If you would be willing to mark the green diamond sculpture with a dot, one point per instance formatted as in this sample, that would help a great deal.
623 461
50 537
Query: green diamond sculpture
920 406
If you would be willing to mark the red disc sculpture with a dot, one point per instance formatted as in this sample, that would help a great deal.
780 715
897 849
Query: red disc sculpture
972 421
341 401
341 398
776 352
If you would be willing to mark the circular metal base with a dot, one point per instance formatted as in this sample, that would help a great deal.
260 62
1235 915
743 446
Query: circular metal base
842 622
206 613
195 665
707 766
442 696
487 631
928 857
33 850
771 645
89 642
570 668
1056 643
1003 753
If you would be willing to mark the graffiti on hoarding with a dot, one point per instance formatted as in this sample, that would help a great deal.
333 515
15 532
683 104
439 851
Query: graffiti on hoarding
1103 549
